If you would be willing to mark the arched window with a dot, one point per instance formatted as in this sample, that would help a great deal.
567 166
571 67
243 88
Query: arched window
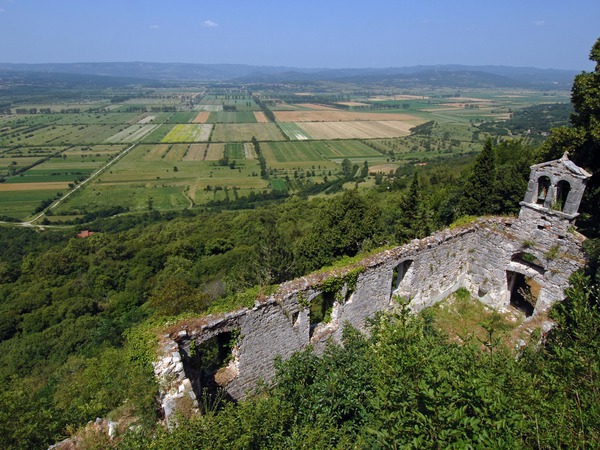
562 192
543 187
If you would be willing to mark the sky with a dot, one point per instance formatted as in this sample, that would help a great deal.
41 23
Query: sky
309 33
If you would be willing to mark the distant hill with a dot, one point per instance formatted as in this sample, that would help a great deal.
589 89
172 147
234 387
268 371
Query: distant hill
441 75
34 79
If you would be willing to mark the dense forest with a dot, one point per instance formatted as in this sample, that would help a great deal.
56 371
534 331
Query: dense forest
77 317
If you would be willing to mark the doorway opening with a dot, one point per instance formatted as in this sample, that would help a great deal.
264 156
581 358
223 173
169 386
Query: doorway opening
524 292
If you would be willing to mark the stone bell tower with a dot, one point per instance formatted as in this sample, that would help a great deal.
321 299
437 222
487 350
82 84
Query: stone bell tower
553 195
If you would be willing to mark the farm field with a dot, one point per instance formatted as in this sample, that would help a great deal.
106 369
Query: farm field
158 134
59 135
294 132
260 117
232 117
184 136
208 108
355 130
235 151
182 117
132 134
95 118
196 152
201 117
243 132
319 151
46 179
21 200
189 133
147 176
343 116
215 152
293 151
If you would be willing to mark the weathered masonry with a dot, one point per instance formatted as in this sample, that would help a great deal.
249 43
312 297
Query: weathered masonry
523 263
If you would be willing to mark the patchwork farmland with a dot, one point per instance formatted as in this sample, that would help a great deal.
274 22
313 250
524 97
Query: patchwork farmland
190 149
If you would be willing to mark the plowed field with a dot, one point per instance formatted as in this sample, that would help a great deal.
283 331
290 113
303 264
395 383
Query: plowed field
260 117
201 117
356 130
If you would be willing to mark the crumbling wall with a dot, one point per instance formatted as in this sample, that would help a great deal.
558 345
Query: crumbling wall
480 257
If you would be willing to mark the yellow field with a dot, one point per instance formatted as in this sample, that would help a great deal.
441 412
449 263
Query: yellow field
188 133
356 130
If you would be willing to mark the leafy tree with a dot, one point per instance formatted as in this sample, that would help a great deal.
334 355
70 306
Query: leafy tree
364 171
479 193
413 221
347 168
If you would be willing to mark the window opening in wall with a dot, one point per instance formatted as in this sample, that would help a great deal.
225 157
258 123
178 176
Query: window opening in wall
529 260
562 192
400 273
524 292
206 366
321 308
543 187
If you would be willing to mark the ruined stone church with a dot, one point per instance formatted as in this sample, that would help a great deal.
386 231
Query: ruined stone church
523 264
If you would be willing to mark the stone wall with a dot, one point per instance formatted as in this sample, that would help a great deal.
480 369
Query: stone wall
486 257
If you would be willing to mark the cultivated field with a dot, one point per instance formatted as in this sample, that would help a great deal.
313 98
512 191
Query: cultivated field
260 117
189 133
243 132
184 137
215 152
294 132
209 108
343 116
33 186
132 134
355 130
232 117
201 117
196 152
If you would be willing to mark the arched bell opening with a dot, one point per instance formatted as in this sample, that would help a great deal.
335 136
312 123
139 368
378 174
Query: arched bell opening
562 193
543 189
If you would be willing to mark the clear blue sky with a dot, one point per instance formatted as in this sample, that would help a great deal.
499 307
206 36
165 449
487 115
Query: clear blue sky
309 33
